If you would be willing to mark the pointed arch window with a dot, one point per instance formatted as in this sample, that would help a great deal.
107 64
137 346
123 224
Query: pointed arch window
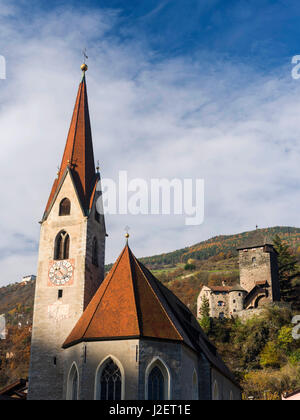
156 385
195 386
62 246
109 380
73 382
95 252
157 381
65 207
216 391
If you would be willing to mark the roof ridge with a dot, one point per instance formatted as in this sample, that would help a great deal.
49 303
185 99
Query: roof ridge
135 292
156 297
76 123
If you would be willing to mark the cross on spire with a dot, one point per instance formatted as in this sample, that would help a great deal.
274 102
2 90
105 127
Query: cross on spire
85 57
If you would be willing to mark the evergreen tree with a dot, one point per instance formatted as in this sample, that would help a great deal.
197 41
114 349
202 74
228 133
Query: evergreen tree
288 270
204 312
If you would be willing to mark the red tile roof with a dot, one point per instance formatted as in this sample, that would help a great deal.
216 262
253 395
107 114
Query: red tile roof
220 288
125 305
78 155
132 303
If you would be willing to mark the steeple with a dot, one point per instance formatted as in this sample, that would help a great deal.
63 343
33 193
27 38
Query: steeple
78 157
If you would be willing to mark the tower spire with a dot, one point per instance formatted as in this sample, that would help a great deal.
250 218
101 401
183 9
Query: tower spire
78 155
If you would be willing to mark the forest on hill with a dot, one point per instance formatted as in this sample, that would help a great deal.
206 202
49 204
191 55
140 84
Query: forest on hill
248 348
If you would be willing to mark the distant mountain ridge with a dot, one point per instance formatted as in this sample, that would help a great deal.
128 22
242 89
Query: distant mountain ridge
226 244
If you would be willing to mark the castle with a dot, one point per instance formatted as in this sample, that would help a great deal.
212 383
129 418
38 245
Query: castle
123 337
259 284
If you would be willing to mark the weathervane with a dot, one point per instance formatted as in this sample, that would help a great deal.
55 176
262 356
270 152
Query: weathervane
85 57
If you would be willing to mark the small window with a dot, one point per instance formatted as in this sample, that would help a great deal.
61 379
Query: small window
97 216
65 207
221 303
54 361
95 252
234 300
60 294
221 315
253 260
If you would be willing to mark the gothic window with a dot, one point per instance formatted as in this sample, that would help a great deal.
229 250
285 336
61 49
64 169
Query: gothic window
65 207
110 382
62 246
95 252
195 386
156 385
216 391
72 390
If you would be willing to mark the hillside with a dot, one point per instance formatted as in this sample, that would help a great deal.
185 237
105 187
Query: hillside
225 244
184 272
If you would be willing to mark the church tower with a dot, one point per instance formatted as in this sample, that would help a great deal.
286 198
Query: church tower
71 254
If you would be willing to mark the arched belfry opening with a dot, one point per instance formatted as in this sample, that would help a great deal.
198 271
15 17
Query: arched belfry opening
65 207
62 246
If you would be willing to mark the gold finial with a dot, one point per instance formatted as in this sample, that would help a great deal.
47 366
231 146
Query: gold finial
84 67
127 234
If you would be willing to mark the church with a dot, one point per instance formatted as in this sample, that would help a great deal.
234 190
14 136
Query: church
122 337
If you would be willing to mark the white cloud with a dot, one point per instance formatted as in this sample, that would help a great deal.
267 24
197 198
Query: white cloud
200 117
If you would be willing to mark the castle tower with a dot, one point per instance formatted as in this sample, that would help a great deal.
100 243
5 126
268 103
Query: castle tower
71 254
259 274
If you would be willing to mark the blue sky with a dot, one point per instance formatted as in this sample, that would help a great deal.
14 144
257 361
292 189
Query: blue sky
263 32
177 88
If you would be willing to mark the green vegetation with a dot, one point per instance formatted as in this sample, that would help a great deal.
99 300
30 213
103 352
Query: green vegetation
261 352
204 312
289 271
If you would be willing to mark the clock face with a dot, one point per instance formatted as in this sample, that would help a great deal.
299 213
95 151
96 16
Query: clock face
61 273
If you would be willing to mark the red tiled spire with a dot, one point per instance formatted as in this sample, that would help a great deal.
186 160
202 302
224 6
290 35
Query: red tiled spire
78 155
